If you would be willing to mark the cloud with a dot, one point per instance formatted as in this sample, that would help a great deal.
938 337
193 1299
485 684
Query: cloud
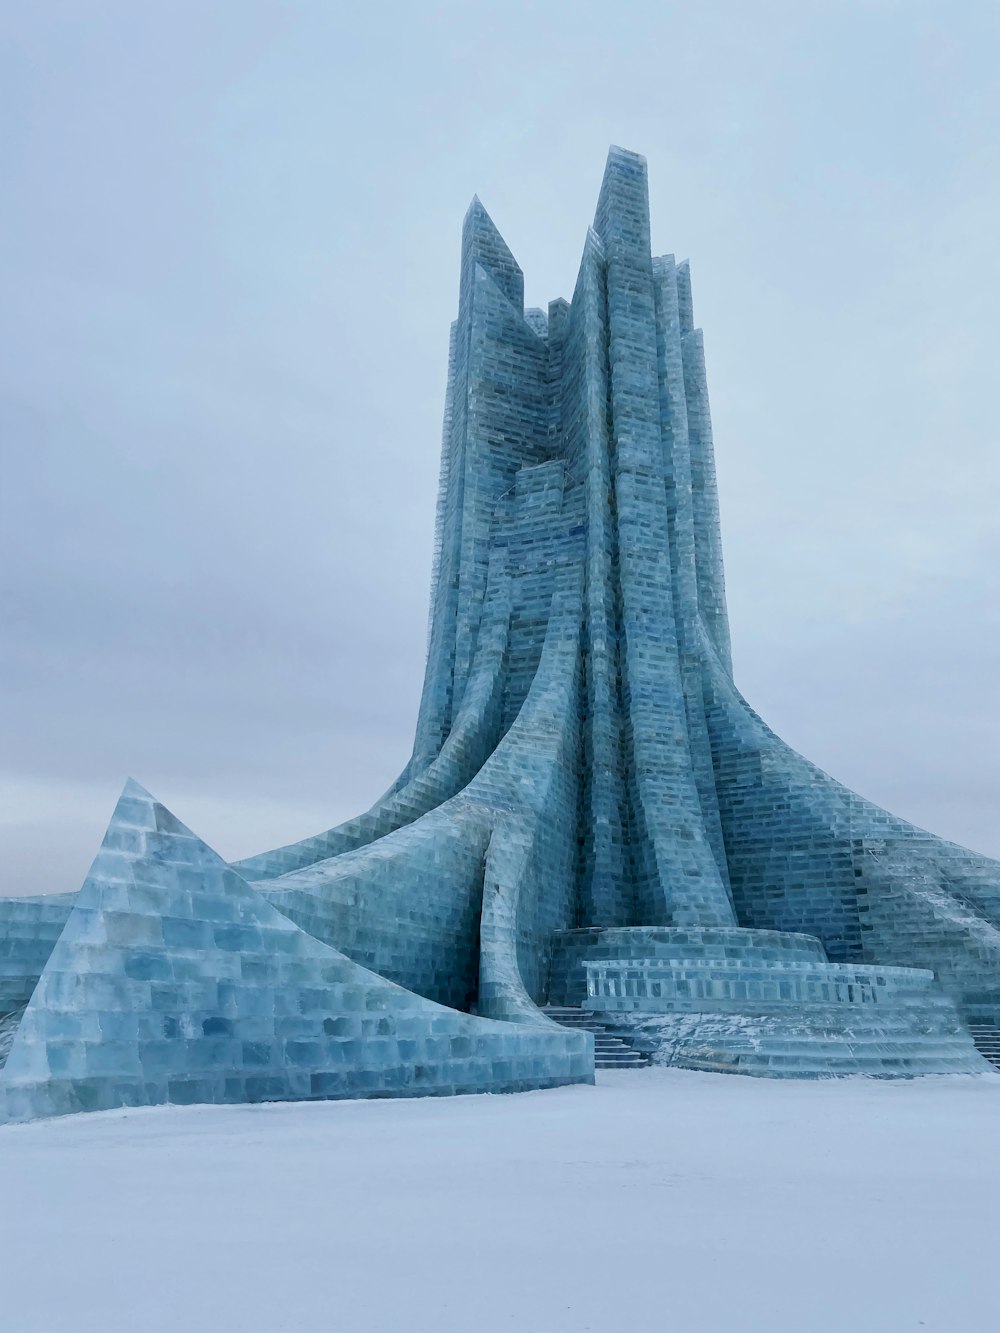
228 280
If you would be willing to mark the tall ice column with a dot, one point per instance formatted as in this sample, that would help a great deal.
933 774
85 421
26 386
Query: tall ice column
676 875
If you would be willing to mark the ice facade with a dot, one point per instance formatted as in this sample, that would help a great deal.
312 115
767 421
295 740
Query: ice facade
592 818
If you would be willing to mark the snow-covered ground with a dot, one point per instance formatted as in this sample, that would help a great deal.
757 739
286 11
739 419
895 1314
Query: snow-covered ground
659 1201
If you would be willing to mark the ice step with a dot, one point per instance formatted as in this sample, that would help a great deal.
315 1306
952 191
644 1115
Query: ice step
610 1052
987 1039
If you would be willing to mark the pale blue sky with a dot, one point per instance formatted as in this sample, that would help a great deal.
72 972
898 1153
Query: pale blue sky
229 259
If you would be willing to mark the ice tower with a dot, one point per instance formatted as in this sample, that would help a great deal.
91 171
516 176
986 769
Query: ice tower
594 832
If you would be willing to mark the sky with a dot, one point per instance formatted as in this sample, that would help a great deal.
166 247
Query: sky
229 259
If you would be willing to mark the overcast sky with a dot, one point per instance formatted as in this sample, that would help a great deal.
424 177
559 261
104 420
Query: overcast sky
229 258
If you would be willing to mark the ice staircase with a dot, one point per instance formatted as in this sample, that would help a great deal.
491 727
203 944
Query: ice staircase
987 1039
610 1052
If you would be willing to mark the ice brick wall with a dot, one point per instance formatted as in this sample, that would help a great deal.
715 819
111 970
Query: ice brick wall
174 981
29 928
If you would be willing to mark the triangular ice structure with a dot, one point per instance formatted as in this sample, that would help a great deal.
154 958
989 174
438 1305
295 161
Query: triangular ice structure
174 981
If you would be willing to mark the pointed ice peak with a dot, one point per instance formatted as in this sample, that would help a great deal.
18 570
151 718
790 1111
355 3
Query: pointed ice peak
625 155
477 218
623 204
482 244
138 810
685 305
